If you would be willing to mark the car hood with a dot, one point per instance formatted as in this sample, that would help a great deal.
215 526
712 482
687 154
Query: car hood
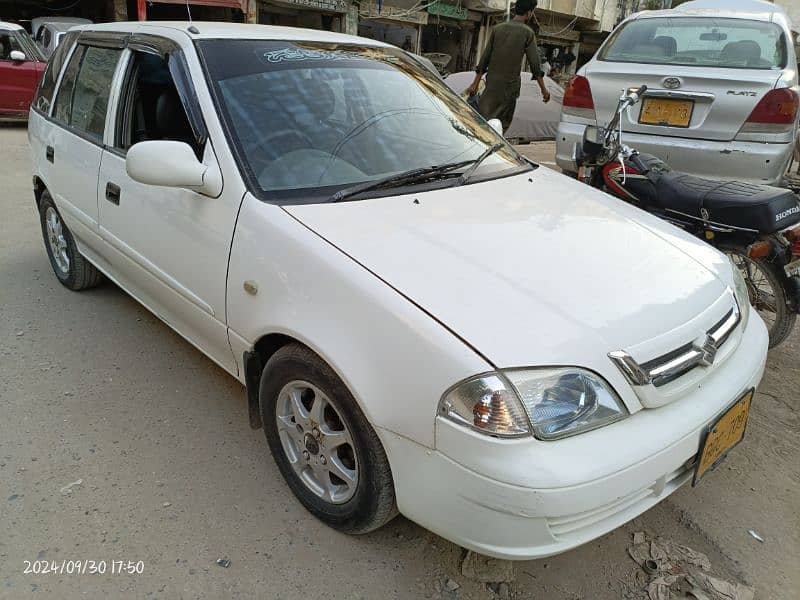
536 269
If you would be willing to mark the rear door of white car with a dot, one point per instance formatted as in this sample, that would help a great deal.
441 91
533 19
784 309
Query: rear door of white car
74 143
705 76
168 246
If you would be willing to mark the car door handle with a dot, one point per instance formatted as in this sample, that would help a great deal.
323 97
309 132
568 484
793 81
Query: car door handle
50 153
112 193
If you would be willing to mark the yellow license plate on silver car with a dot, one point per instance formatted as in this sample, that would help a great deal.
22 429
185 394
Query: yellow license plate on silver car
722 435
668 112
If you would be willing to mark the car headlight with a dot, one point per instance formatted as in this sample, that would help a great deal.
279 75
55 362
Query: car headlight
742 294
486 403
551 402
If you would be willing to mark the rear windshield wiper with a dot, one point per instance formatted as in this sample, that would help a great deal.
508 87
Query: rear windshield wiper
397 179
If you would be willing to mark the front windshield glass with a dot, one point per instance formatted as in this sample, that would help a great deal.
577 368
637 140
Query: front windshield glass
699 42
310 119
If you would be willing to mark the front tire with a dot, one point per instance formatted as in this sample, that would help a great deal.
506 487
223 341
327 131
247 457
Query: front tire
325 448
69 265
765 285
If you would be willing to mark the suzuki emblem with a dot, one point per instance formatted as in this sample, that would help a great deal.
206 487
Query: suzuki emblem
708 349
672 83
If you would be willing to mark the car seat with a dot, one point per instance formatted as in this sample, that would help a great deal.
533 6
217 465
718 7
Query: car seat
171 120
743 51
668 43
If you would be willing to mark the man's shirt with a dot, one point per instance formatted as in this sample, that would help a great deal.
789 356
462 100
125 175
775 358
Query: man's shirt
508 43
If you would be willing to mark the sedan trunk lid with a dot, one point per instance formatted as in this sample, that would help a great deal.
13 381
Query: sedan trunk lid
705 71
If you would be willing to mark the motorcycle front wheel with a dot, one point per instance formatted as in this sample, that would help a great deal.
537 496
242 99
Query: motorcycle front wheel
765 283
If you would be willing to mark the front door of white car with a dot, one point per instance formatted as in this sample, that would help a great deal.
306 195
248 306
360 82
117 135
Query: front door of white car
168 246
73 150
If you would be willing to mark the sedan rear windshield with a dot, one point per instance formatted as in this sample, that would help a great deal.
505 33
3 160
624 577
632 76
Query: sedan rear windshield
699 42
310 119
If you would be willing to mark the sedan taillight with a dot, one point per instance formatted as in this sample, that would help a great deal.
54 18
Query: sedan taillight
775 113
578 99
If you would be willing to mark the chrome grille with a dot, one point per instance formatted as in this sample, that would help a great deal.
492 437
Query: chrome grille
678 362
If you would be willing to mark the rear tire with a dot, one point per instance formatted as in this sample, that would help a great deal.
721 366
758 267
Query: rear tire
69 265
765 284
326 450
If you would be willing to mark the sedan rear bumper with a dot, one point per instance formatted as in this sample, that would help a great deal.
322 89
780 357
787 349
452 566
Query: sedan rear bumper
744 161
523 519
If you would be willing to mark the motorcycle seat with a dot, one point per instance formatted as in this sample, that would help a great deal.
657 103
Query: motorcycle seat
741 204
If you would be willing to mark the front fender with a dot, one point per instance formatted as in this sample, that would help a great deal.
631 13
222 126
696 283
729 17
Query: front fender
396 359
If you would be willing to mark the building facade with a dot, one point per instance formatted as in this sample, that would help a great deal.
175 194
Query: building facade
452 33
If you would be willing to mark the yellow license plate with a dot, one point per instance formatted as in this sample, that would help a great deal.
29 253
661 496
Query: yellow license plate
666 111
722 435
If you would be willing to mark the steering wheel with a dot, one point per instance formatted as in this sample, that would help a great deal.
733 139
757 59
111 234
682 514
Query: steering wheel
369 122
259 146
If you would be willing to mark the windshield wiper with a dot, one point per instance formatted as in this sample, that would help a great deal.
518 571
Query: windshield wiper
398 179
477 162
416 175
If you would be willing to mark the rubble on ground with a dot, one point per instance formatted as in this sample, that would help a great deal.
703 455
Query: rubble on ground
671 571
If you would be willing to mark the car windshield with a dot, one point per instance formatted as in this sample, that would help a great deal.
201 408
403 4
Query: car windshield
309 119
699 42
28 46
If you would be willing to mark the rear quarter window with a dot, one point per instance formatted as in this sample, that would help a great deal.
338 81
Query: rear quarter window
47 86
699 42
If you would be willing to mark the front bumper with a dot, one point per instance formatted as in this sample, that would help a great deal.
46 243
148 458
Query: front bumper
526 499
743 161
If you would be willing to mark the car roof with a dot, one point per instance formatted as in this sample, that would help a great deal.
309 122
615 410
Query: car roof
733 9
60 25
9 26
237 31
57 19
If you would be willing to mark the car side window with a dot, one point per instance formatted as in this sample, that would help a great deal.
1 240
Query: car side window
8 43
92 90
47 86
48 35
82 99
150 106
63 101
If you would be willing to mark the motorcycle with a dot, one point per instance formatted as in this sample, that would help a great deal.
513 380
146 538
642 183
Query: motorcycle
755 225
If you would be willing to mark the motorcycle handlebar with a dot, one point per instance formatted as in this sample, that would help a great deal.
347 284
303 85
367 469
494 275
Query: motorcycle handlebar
641 90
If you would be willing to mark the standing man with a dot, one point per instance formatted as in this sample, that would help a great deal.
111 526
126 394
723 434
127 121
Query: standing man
502 62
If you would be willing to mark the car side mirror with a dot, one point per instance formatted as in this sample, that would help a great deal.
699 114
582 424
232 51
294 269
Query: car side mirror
497 125
173 164
17 56
592 135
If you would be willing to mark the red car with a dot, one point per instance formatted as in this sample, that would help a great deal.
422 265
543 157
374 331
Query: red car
21 67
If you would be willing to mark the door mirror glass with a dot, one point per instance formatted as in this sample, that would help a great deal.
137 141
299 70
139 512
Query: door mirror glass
497 125
17 56
592 135
591 146
172 164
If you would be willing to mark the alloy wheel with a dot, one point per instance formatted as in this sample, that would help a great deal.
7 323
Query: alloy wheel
317 442
56 240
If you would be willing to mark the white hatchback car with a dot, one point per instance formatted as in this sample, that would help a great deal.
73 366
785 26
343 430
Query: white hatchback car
722 89
423 320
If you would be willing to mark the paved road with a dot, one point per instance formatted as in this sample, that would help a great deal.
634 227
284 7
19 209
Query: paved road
94 388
